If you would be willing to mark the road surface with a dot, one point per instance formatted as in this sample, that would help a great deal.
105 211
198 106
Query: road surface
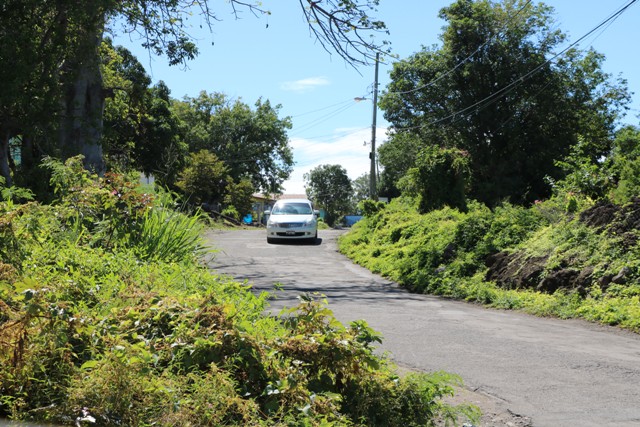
521 370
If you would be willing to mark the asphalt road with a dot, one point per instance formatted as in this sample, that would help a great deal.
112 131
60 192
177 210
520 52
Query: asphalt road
522 370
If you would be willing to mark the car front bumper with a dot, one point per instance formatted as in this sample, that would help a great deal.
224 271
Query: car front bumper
291 231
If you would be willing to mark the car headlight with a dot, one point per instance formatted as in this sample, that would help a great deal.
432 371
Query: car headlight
309 222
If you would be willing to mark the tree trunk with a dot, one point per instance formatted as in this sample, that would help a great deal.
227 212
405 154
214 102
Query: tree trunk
27 154
5 171
83 106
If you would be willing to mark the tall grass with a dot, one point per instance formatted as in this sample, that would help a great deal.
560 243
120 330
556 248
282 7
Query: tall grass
168 236
122 325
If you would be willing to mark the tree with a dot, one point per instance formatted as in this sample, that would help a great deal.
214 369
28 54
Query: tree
31 50
239 197
161 149
439 178
204 179
397 156
492 91
625 164
128 83
361 187
54 49
141 130
330 188
252 143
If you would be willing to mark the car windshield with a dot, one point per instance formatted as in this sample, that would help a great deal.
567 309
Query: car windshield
292 209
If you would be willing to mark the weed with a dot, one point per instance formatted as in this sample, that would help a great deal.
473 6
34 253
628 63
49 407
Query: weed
444 252
107 316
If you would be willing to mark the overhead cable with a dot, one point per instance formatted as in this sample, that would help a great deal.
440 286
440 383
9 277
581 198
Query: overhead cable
459 64
511 86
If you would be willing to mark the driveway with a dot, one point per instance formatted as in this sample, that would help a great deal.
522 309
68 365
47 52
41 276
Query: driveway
521 370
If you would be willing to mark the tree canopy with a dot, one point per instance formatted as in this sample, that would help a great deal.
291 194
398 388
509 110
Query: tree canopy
252 143
330 188
495 90
53 99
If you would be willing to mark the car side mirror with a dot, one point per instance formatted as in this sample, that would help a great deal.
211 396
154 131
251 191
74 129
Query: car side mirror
316 212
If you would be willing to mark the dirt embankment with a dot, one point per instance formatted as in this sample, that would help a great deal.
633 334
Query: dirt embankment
519 270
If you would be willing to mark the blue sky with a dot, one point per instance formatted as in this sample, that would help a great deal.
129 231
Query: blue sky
276 58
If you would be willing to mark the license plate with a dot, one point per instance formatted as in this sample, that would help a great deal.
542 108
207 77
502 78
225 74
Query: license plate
291 233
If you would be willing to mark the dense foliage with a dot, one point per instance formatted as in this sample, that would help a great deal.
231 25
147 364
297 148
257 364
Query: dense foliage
497 89
516 186
330 188
252 143
108 318
52 58
439 178
565 257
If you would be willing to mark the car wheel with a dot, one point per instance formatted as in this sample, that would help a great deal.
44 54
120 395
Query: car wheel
271 240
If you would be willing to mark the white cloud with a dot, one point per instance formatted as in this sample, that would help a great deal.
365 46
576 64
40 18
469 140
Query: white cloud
304 85
348 151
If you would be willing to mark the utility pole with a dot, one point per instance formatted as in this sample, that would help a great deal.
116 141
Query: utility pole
372 155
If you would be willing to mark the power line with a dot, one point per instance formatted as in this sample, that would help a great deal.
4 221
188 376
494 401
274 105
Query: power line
459 64
511 86
324 118
323 108
334 136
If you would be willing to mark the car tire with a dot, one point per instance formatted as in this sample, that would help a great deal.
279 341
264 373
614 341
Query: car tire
313 240
271 240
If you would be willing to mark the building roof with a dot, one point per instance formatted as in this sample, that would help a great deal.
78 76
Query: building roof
291 196
260 196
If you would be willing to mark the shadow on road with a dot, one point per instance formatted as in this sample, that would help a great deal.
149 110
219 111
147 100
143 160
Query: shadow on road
297 242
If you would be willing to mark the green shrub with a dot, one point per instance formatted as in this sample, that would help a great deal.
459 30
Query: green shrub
120 324
444 251
239 196
369 207
167 235
231 212
203 180
440 178
629 184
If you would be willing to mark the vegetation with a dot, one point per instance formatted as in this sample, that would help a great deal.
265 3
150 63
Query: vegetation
108 318
515 184
56 87
330 188
361 190
252 144
566 257
69 91
497 91
439 178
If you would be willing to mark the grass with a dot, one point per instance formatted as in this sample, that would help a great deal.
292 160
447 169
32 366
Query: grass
443 252
121 324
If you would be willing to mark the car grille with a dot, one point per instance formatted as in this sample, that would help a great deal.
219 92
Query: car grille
291 224
290 234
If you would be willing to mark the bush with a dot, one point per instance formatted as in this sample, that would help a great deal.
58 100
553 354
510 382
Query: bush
445 252
134 330
440 178
629 184
369 207
239 196
204 179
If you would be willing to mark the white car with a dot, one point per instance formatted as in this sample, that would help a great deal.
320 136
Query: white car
292 219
